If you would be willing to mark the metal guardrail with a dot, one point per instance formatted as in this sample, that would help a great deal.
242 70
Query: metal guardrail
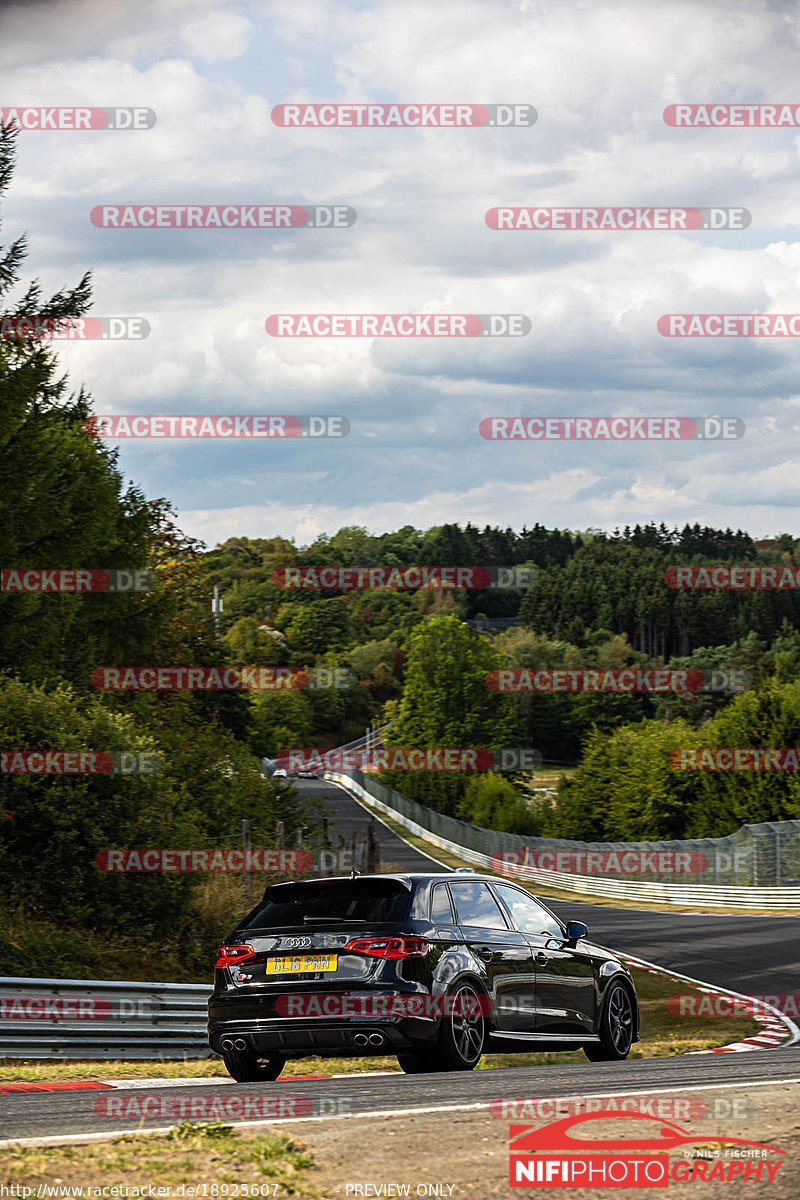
483 846
102 1019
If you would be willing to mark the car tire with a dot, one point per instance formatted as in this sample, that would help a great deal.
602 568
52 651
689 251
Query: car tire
415 1064
616 1027
462 1032
245 1067
461 1040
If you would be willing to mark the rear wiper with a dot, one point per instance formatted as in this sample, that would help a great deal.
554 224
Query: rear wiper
335 920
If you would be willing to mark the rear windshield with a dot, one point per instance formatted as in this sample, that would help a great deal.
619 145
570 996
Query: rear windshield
356 901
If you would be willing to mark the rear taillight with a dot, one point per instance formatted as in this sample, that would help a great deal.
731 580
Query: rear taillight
232 954
397 947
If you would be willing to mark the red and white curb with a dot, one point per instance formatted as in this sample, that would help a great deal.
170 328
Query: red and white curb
128 1085
53 1086
777 1029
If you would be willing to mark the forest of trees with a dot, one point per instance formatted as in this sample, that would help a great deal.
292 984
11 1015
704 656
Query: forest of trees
63 502
618 584
600 600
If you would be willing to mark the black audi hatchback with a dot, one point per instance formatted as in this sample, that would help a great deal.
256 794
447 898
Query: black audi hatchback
436 969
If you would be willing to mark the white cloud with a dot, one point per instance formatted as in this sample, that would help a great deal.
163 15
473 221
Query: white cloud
599 76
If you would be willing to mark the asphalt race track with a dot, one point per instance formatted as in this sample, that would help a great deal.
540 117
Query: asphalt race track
25 1116
346 817
753 954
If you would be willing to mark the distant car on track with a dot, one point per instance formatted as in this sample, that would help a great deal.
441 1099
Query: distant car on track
437 969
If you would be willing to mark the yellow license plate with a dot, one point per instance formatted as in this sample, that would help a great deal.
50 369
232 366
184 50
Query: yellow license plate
301 964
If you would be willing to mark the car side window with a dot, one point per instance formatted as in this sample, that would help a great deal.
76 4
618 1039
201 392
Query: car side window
475 905
441 908
529 916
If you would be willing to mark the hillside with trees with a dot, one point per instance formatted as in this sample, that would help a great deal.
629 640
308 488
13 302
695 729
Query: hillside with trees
63 502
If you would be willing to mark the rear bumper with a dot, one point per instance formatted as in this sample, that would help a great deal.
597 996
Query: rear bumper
292 1038
253 1019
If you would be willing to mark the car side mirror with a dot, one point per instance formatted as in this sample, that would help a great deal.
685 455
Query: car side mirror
575 930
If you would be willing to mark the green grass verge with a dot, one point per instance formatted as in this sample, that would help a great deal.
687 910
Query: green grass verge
189 1154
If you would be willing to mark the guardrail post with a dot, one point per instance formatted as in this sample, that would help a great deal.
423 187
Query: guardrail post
755 858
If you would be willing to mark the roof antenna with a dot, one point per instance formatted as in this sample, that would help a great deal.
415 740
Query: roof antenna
354 873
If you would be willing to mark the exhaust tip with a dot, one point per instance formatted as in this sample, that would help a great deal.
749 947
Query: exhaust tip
226 1044
239 1044
361 1039
376 1039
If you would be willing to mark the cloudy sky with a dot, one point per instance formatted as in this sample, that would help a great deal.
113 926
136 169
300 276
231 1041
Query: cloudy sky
600 73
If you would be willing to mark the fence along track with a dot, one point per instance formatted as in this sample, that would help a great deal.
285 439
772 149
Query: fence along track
758 853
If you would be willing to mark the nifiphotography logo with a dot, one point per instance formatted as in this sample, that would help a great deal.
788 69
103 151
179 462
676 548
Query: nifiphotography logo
570 1160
